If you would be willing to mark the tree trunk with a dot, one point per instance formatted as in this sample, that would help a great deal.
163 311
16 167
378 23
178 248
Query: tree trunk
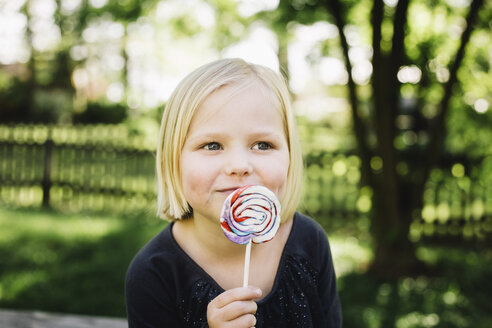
360 130
32 84
394 252
439 131
394 198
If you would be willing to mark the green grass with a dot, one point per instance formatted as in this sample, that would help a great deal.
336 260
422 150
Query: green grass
76 263
72 263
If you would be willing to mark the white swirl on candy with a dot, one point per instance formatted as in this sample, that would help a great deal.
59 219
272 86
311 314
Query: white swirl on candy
250 213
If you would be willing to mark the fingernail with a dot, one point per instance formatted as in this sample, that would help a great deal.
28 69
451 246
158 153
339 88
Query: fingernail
256 290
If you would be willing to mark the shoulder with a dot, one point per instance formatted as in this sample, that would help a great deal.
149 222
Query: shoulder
154 264
155 282
158 248
307 224
309 240
307 231
164 264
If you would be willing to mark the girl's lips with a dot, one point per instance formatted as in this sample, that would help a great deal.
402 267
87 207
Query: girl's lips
228 190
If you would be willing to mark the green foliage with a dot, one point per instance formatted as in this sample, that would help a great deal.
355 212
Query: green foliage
102 113
51 106
453 295
48 105
300 11
121 10
13 100
230 26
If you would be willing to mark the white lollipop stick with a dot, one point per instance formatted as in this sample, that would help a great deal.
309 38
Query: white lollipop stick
247 257
250 214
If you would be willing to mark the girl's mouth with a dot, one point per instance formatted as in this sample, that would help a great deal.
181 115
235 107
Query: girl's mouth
229 190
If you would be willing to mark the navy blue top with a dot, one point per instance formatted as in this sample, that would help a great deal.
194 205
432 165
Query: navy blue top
166 288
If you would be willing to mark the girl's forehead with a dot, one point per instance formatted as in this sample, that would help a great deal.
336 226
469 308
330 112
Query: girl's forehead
238 106
231 99
229 91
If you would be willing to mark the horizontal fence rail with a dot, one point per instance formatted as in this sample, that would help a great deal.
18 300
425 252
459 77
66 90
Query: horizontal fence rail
106 168
76 168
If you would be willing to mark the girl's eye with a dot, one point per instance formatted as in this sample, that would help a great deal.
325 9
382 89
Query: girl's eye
212 146
262 146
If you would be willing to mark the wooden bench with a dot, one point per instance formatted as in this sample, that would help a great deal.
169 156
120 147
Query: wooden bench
35 319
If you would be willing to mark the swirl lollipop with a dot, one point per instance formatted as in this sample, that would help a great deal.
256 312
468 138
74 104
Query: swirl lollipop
250 214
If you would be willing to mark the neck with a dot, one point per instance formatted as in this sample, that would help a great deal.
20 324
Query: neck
209 236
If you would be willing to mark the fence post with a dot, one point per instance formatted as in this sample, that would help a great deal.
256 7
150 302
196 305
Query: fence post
46 183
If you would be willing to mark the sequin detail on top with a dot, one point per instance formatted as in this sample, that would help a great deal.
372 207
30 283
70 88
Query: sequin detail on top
191 309
294 299
290 305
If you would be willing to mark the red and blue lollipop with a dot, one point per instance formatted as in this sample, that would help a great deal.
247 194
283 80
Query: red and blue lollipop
250 214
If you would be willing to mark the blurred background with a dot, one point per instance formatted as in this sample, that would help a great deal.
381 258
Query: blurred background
393 105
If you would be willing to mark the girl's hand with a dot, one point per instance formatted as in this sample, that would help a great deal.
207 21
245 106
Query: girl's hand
234 308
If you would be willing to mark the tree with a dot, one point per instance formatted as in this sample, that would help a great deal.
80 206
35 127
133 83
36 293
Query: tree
397 196
46 94
397 174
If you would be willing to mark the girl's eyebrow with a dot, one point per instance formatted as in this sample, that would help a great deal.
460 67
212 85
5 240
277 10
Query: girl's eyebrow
207 136
219 135
266 134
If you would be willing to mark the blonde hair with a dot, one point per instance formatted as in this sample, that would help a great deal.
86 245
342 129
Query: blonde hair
177 116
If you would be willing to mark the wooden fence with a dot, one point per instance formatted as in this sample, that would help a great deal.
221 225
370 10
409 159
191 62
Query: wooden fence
105 168
75 168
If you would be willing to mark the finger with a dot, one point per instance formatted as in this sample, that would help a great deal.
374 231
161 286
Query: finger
246 321
237 309
237 294
231 312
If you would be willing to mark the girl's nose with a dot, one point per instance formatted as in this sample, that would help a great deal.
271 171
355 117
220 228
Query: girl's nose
238 164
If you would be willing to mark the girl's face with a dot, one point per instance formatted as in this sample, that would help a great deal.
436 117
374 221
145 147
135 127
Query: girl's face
235 139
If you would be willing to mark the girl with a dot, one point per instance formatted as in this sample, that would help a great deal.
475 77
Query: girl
230 124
